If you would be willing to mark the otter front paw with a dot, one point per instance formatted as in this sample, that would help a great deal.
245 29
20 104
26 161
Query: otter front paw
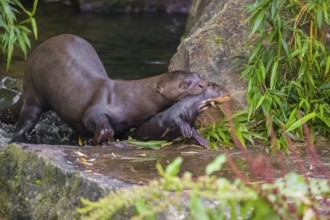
103 132
201 141
186 130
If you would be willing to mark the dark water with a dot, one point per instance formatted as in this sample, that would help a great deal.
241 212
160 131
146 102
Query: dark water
131 46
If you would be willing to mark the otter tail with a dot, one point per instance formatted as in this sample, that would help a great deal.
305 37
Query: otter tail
11 114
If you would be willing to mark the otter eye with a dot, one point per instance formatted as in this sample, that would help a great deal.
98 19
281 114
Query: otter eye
188 83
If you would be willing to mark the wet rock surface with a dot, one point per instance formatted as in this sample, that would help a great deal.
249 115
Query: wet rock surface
47 181
38 183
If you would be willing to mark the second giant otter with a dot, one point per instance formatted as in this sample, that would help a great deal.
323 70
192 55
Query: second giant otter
66 75
179 119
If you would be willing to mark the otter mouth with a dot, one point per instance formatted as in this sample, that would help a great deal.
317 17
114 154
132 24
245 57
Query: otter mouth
212 102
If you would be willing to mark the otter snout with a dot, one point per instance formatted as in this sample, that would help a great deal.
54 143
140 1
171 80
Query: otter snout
203 83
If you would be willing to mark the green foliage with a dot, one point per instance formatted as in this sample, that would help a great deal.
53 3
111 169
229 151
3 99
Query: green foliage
287 72
220 133
13 33
209 197
154 145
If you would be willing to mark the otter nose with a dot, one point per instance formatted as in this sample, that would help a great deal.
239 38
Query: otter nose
203 84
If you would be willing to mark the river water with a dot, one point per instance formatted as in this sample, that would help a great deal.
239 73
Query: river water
131 46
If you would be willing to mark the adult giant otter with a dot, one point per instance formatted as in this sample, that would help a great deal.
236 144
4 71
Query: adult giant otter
66 75
179 119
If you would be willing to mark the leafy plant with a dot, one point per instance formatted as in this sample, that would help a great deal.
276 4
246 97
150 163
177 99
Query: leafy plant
287 72
234 125
13 33
209 197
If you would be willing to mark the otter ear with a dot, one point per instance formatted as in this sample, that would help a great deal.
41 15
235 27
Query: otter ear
185 84
160 89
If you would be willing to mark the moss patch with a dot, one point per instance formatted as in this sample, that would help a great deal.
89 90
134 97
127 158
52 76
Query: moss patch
33 187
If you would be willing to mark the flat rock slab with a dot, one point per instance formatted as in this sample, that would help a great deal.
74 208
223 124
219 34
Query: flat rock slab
47 181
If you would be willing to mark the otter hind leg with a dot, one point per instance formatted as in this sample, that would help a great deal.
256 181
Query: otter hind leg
100 125
28 118
103 132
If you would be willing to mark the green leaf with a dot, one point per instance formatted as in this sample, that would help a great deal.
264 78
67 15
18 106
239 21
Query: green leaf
141 208
273 77
259 19
155 145
174 168
34 28
301 121
273 9
319 18
254 53
327 66
197 209
216 164
262 98
34 9
21 42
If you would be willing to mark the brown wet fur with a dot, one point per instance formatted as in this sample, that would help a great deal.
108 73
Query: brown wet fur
66 75
178 120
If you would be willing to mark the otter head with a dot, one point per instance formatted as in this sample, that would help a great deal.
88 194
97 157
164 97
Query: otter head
214 94
180 84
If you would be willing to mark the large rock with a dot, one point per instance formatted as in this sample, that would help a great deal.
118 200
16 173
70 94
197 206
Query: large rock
38 182
47 181
214 44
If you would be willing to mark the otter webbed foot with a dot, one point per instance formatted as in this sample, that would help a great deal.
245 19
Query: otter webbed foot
186 130
200 139
103 132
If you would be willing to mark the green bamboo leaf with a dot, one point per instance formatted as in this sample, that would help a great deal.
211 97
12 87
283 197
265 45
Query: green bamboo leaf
263 73
18 3
34 9
273 77
21 41
26 40
255 52
259 19
304 48
285 47
325 12
325 86
249 138
325 120
10 45
240 137
319 18
34 28
262 98
327 66
301 121
273 9
321 110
